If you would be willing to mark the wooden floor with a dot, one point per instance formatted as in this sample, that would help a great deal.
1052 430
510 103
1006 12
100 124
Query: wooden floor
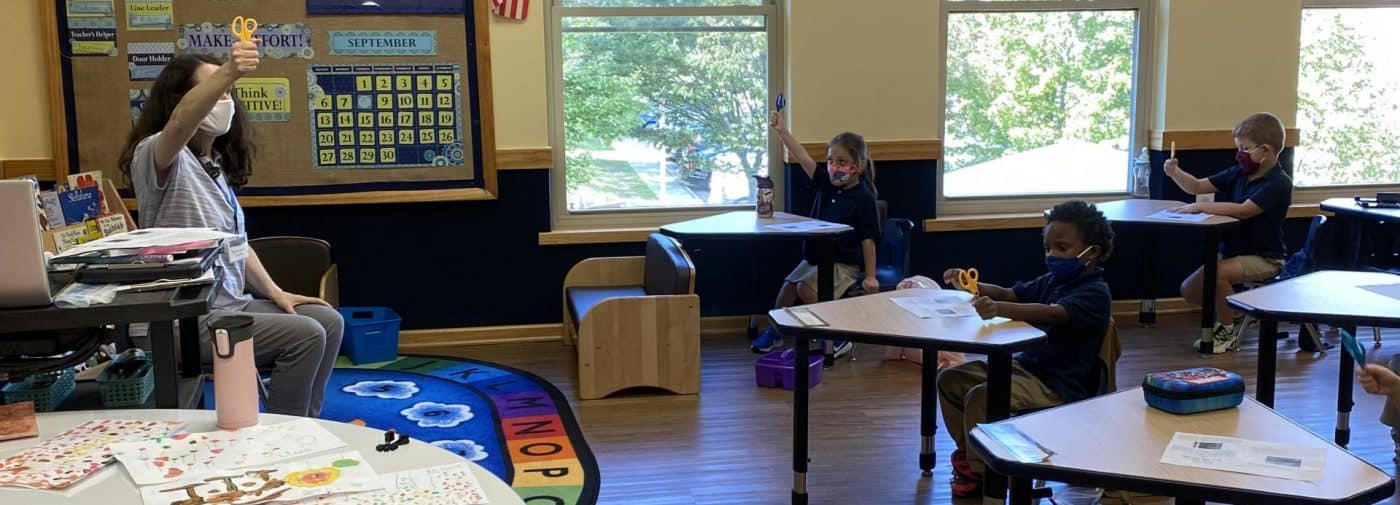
731 444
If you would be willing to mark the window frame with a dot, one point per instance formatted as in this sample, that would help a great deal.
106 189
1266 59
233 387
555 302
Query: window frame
1316 194
564 219
1143 91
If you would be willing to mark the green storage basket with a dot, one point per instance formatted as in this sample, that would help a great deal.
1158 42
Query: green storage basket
46 398
126 392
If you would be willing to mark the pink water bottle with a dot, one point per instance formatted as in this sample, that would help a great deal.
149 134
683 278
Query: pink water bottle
235 375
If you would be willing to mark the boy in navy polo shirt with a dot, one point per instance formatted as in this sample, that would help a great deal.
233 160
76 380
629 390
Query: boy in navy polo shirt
1258 193
1071 304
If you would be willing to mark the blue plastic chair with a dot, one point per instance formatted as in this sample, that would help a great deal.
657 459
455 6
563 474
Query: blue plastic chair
1304 261
891 256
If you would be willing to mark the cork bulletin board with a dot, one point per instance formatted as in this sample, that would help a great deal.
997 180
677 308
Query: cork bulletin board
362 104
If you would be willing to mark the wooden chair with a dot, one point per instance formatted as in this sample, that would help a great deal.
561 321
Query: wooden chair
300 265
636 321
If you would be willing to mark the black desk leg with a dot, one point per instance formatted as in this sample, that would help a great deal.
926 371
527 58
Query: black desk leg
1147 311
826 280
998 408
928 412
1342 436
799 424
190 365
1020 491
1208 260
1353 227
1268 361
162 335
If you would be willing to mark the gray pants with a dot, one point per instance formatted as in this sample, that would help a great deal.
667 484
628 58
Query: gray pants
301 348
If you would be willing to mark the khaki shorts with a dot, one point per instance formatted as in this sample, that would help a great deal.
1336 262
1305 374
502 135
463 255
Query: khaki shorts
1259 268
845 277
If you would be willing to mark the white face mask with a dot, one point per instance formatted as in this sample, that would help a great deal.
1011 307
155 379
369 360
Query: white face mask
220 118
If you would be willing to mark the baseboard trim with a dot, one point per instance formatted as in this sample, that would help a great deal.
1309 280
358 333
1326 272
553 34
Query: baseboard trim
551 332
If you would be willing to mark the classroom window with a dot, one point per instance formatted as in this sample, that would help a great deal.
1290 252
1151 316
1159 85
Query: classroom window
1348 96
1041 98
660 104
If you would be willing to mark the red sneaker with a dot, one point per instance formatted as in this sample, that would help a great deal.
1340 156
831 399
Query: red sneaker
964 487
961 467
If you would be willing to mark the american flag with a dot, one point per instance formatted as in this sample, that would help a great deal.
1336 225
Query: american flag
514 9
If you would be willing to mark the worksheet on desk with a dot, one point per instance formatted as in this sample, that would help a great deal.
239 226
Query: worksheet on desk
1245 456
1387 290
925 307
802 226
1167 215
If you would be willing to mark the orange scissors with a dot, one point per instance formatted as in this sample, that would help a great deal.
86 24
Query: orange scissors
243 28
968 280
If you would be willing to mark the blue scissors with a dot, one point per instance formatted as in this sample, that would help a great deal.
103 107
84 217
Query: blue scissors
1353 348
781 102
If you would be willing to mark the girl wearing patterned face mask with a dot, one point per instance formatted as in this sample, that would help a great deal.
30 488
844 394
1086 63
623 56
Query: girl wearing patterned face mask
185 157
845 193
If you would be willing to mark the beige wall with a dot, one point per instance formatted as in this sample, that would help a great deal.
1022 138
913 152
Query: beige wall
869 70
24 130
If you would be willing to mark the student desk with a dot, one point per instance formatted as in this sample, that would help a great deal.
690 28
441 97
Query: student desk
160 308
1134 213
874 319
111 485
1326 296
745 225
1355 217
1116 442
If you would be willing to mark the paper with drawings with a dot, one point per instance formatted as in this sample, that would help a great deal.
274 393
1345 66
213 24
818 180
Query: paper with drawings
440 485
1167 215
925 307
1245 456
188 455
332 474
63 460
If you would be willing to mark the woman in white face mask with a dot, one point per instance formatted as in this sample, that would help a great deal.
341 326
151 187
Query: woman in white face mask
185 157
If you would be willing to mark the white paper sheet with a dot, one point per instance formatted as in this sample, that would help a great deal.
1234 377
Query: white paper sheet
188 455
1167 215
1388 290
440 485
802 226
1245 456
148 237
332 474
806 317
926 308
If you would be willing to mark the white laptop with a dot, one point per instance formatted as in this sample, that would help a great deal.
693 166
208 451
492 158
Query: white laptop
22 266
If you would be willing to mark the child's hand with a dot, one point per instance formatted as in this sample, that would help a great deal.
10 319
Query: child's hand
986 307
775 121
950 277
1378 380
870 284
1194 208
243 56
1171 167
918 282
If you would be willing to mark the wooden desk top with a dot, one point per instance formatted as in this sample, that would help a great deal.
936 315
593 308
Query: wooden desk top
1326 296
875 319
1117 441
745 224
1348 206
1135 211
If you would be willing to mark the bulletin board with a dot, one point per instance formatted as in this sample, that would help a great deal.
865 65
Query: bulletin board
352 106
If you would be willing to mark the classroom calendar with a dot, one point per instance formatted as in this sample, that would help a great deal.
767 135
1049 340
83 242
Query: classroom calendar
385 116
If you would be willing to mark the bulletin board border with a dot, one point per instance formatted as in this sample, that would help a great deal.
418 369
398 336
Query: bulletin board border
64 132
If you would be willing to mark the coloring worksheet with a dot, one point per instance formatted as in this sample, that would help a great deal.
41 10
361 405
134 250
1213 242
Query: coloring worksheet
297 480
440 485
63 460
187 455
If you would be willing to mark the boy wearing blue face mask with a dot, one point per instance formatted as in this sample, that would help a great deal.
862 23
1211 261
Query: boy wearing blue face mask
1071 304
1258 193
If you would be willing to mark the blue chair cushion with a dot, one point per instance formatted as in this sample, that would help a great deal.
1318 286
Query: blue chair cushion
583 298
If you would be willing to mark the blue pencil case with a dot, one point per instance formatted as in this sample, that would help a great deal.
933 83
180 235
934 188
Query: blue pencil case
1193 390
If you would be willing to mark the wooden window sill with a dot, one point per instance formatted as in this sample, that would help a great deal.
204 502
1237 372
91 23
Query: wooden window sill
1031 220
596 236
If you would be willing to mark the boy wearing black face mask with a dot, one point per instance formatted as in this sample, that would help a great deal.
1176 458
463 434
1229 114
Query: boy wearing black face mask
1258 194
1071 304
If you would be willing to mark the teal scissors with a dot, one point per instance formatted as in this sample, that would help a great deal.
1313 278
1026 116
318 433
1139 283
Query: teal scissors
1353 348
243 28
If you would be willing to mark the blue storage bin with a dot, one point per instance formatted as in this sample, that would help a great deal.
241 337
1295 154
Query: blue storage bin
371 334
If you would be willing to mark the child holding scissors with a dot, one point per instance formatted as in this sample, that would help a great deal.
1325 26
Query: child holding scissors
191 148
1071 304
845 193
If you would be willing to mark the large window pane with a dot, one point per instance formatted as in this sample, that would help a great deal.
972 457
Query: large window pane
665 111
1038 102
1349 97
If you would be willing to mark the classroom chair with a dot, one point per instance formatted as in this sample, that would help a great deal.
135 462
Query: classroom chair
636 321
1302 262
891 256
300 265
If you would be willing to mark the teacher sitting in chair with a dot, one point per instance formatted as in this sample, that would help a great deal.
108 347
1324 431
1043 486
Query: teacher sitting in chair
189 151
